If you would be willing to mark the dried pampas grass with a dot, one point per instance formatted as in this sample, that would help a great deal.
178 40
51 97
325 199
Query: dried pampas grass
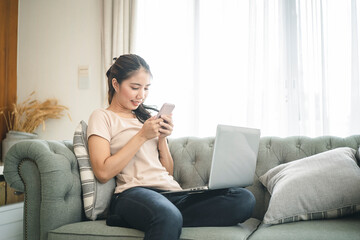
28 115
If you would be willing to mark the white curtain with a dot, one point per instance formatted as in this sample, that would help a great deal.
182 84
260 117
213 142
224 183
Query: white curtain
289 67
118 33
166 40
328 69
267 94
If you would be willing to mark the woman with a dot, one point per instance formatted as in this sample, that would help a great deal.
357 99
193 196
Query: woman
126 142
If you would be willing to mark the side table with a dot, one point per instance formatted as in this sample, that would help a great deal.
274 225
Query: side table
11 211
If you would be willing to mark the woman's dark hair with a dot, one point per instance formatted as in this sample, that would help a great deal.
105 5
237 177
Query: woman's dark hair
123 68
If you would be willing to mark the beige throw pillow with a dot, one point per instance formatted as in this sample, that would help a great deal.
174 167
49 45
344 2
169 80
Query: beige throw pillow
325 185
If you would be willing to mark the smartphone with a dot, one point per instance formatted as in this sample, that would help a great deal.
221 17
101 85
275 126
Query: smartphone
166 109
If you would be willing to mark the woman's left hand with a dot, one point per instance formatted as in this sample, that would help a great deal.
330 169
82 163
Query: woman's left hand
166 126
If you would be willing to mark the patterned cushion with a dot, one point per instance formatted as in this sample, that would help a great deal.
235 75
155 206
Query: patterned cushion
325 185
96 196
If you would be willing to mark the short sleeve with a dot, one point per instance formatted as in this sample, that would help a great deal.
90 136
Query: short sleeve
99 124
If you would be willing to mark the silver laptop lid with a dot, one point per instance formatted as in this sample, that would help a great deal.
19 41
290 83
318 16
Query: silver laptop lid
234 158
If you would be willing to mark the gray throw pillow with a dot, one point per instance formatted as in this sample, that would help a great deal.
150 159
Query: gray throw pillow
325 185
96 196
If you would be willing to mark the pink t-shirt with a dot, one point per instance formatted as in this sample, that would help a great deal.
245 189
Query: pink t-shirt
145 169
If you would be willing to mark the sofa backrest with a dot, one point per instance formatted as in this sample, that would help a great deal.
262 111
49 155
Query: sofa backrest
192 159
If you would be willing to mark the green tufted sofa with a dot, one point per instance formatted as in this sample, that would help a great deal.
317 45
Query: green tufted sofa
48 173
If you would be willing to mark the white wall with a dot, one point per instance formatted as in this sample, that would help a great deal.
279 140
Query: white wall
54 38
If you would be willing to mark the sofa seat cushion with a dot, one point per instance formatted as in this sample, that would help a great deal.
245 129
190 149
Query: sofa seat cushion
91 230
330 229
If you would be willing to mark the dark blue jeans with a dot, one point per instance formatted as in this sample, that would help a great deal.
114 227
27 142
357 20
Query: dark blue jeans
162 217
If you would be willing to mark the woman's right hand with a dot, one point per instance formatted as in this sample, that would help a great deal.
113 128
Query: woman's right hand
151 127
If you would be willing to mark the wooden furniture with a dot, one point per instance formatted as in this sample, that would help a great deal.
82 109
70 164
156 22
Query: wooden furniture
8 57
11 202
7 194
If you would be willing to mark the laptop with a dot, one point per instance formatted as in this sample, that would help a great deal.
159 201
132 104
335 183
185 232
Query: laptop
233 161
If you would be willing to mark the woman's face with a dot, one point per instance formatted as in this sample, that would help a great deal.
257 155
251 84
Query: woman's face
132 91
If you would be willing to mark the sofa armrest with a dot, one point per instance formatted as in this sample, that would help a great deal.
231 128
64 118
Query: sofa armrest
47 171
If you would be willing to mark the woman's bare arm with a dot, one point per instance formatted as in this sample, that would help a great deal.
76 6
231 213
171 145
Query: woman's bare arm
165 156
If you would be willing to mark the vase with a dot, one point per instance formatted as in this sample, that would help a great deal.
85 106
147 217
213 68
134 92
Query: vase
13 137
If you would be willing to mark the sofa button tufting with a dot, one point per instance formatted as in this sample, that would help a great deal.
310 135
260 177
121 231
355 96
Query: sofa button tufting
193 162
298 145
268 146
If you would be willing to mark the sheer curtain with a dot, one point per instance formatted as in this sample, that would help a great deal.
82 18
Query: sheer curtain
289 67
165 39
118 33
328 79
269 70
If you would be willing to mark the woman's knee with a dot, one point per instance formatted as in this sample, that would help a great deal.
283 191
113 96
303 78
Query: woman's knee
168 214
243 194
245 201
166 222
249 197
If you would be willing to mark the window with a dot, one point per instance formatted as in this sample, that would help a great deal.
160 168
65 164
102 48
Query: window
289 67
